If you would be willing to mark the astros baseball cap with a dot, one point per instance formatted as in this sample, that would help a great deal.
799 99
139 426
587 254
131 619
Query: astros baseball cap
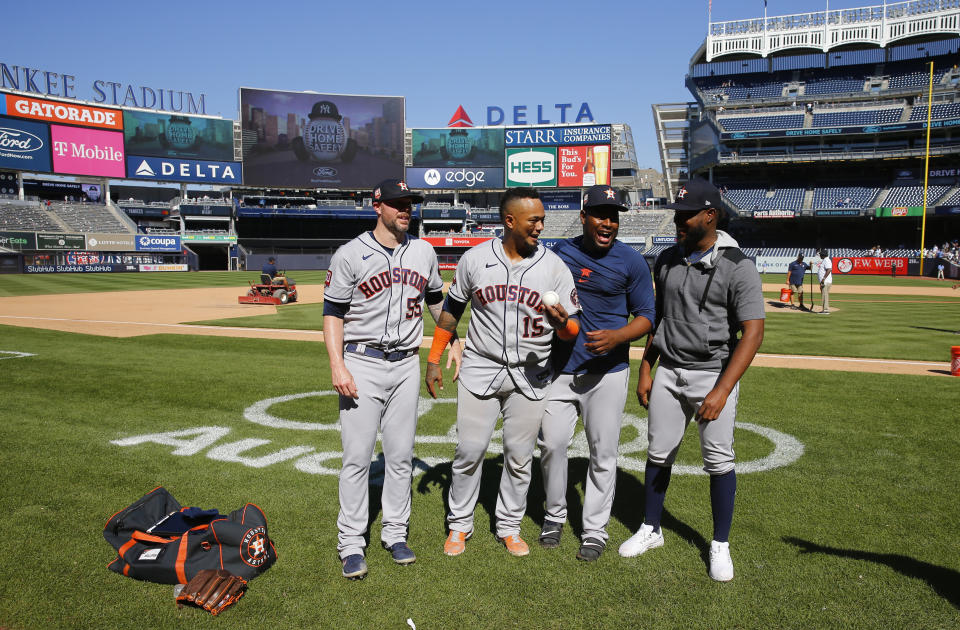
597 196
697 194
390 189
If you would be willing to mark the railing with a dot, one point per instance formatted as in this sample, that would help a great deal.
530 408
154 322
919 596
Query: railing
824 30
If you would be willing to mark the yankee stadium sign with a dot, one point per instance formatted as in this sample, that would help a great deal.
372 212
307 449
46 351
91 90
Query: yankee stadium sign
61 84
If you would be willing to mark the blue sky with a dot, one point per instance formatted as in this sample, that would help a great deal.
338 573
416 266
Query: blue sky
618 57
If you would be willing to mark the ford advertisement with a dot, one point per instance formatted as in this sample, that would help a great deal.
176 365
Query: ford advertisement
457 147
164 135
24 145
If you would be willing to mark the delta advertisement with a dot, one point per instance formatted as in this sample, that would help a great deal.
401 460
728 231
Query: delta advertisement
79 151
314 140
60 112
162 135
179 170
24 145
457 147
454 178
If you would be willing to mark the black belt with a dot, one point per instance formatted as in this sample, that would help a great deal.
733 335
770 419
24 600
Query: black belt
377 353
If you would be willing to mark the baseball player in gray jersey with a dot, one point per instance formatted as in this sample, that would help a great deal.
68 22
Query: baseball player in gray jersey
506 366
708 291
373 327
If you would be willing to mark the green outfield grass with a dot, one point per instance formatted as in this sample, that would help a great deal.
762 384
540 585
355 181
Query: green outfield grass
859 532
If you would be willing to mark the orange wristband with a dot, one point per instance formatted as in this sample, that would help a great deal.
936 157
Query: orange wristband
569 330
441 338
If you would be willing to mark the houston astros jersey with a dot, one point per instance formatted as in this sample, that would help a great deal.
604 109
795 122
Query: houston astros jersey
384 291
509 334
611 288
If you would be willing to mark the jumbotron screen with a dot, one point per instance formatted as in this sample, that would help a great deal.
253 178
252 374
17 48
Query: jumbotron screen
311 140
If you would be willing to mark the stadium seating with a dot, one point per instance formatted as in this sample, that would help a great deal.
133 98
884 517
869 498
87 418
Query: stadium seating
88 217
844 196
942 110
27 217
858 117
745 123
913 195
765 199
914 79
834 85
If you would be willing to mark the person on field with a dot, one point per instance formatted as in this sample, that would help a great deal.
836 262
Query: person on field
795 272
709 326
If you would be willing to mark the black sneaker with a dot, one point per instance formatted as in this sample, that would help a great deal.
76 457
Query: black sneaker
354 567
550 534
401 553
590 549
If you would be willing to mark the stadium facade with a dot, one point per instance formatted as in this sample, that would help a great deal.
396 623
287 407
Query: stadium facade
815 126
291 177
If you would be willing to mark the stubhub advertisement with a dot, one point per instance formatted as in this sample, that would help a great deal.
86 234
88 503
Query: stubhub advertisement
176 170
455 177
158 243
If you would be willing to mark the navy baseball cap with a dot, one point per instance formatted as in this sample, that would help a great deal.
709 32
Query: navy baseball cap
697 194
390 189
597 196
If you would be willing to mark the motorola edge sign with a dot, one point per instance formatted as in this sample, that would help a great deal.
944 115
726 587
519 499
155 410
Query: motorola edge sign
450 178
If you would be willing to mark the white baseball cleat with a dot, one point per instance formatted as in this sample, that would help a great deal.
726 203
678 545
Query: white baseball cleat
644 540
721 565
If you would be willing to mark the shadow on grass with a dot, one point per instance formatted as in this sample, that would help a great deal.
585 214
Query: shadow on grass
943 330
945 582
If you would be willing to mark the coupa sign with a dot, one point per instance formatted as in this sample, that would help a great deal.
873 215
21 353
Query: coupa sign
532 167
152 243
170 170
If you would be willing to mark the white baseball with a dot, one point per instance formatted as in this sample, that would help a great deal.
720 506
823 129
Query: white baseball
550 298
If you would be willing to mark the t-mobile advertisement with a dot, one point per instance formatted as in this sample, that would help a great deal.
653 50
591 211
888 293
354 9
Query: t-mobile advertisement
87 152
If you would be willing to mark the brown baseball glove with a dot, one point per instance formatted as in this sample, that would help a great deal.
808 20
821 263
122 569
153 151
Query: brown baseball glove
212 590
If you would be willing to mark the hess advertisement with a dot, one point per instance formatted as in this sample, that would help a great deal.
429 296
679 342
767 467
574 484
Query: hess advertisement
458 147
79 151
321 140
532 167
157 134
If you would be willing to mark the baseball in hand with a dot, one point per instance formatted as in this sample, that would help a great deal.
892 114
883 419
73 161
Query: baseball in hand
550 298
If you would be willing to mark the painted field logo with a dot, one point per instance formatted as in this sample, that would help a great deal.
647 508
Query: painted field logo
532 167
253 547
19 141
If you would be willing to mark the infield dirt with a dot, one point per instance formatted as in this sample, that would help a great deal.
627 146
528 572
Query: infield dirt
136 313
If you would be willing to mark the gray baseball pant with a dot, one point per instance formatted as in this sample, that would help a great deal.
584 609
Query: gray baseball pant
389 392
476 420
676 395
600 399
